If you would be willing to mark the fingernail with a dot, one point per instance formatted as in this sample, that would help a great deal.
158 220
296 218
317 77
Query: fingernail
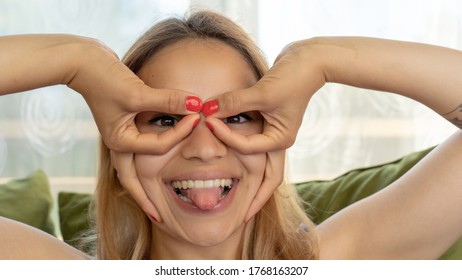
210 126
196 122
193 104
210 107
153 218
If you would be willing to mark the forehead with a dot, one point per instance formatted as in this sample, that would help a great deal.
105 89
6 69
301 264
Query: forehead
204 68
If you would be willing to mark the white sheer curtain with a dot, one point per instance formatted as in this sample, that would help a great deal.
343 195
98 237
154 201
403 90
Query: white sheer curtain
344 127
52 128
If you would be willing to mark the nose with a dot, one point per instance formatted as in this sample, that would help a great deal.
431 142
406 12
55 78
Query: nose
202 144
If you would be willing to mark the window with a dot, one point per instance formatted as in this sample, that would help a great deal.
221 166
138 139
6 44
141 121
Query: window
52 128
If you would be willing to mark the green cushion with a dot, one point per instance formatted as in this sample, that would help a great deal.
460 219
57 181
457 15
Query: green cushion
328 197
28 200
73 215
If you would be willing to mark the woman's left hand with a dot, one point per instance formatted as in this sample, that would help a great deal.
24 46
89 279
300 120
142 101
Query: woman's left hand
281 96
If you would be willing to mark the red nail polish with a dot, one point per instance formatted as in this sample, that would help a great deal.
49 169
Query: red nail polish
210 107
210 126
196 122
153 218
193 103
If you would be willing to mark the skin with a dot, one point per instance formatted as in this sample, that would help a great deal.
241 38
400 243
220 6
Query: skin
94 70
417 217
206 68
22 242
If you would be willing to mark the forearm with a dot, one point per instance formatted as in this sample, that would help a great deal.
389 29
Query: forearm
33 61
428 74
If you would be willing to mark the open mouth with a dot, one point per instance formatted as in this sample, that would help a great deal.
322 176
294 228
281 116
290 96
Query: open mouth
204 194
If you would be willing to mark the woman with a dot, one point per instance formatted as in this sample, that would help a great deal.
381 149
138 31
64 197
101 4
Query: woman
241 139
199 55
207 55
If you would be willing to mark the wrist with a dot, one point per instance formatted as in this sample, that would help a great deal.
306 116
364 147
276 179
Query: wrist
330 55
312 55
85 56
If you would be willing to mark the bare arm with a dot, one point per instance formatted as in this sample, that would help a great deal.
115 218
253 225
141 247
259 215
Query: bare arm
33 61
418 216
425 73
22 242
113 92
93 70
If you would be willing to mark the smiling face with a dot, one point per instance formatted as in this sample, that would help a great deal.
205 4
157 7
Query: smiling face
201 188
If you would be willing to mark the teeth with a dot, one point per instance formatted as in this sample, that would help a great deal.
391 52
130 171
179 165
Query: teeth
189 184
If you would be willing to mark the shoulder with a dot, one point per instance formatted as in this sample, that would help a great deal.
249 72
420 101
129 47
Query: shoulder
20 241
415 217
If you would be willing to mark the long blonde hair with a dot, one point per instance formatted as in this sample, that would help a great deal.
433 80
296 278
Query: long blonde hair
281 230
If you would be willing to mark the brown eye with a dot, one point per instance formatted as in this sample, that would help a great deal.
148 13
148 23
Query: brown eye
164 121
237 119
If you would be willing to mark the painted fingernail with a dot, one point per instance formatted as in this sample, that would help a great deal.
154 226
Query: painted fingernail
153 218
210 107
196 122
193 103
210 126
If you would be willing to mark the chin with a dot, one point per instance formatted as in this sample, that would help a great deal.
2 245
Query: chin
212 235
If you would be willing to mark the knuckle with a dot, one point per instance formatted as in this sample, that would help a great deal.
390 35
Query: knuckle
111 141
163 149
135 100
116 142
163 146
290 140
232 103
174 103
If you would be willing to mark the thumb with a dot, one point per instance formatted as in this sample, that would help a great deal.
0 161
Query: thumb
171 101
235 102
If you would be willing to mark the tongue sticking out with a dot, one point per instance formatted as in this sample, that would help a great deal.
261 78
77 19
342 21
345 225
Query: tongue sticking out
204 198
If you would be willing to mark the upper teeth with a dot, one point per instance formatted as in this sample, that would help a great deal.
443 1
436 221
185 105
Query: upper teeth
188 184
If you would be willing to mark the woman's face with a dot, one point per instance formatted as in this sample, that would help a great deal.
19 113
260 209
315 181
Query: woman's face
201 188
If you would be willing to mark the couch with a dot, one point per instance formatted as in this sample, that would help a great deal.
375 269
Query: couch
29 199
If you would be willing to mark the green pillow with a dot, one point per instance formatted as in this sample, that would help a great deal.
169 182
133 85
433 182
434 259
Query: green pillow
28 200
328 197
74 217
325 198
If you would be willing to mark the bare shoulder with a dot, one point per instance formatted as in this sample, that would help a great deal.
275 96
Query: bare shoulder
416 217
20 241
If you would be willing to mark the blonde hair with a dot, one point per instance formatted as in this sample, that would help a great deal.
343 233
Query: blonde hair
124 231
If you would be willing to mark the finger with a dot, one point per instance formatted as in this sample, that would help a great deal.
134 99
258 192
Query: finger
169 101
272 180
173 136
248 144
131 140
125 165
235 102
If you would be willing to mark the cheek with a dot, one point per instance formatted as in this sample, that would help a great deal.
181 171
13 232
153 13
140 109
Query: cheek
255 165
149 166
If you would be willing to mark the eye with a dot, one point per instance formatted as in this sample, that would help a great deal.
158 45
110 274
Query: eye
164 121
236 119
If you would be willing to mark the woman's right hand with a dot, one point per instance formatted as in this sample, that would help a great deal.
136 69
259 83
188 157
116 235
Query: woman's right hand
114 94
